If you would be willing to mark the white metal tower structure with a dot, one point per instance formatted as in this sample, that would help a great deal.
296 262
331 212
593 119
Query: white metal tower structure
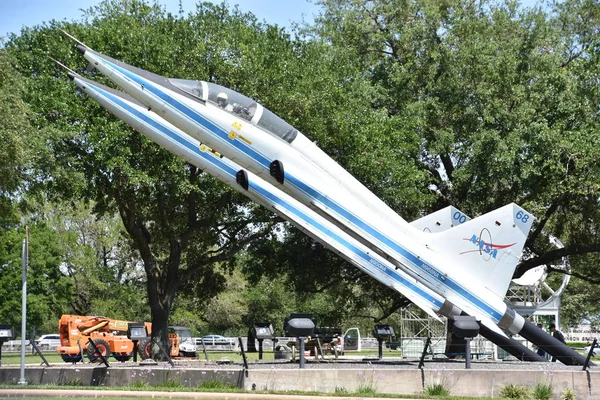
532 295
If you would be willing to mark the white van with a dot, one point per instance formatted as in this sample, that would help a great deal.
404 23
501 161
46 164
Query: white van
47 342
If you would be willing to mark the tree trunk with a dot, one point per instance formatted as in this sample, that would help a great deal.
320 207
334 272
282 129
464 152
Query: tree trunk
162 281
162 288
160 310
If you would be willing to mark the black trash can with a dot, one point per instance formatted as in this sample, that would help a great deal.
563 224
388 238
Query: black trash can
282 352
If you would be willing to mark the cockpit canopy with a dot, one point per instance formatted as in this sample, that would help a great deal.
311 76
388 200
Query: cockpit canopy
239 105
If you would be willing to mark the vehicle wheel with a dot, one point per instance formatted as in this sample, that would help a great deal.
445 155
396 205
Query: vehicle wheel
122 356
73 359
103 348
144 349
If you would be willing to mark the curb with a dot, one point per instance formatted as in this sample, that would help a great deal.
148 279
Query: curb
26 393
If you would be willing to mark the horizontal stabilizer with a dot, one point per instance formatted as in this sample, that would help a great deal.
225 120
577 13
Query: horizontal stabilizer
486 249
441 220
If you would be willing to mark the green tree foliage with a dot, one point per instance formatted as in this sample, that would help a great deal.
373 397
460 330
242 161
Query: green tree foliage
334 291
182 222
227 309
48 290
504 101
97 256
581 299
329 98
221 314
429 103
271 300
14 131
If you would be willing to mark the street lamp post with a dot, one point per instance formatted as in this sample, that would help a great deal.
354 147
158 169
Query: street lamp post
382 333
22 380
136 331
300 326
262 331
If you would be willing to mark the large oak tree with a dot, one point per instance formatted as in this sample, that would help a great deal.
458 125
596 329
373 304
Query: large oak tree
182 222
504 101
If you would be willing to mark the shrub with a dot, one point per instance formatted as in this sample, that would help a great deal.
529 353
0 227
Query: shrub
366 384
437 389
542 391
139 384
365 390
72 382
168 384
511 391
568 394
216 385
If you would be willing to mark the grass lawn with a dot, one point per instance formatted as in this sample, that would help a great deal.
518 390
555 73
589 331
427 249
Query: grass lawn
95 395
92 395
54 358
231 394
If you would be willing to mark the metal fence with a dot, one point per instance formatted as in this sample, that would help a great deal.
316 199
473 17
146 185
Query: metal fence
13 346
409 347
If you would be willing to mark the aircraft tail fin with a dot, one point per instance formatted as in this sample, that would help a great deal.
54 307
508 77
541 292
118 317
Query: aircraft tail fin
487 249
441 220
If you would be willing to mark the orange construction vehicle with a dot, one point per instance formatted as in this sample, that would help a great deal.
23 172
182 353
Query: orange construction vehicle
109 336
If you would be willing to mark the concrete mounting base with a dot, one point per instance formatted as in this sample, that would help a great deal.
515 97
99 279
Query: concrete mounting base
460 382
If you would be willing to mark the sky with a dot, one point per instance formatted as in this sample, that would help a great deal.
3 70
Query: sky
15 14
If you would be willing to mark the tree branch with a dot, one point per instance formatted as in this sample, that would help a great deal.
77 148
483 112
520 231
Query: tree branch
554 255
574 56
540 226
398 303
389 41
225 252
576 275
448 165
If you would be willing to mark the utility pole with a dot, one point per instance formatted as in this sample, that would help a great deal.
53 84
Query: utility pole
22 381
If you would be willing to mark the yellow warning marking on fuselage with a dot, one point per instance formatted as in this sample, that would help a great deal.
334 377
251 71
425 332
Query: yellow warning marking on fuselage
237 125
244 139
205 148
233 135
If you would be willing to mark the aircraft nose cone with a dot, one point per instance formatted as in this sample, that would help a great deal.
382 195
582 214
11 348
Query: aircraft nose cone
71 76
82 49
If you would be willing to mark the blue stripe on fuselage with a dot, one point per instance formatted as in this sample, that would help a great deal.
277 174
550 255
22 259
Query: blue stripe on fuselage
262 160
190 113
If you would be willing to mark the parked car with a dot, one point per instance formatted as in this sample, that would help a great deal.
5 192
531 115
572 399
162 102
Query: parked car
218 340
596 349
186 344
46 342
